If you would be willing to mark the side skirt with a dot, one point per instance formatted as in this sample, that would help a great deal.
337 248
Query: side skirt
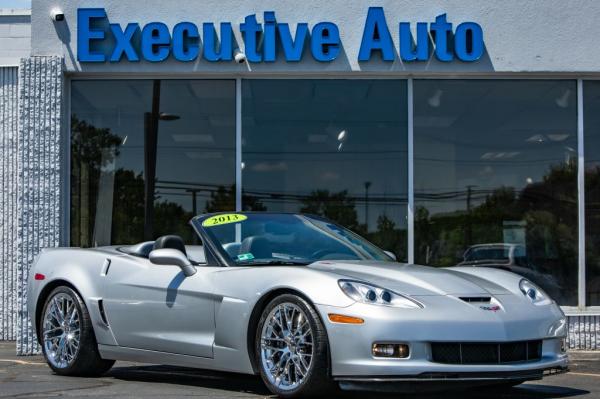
147 356
230 359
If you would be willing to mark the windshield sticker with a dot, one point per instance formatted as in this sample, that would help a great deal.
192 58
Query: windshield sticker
223 219
247 256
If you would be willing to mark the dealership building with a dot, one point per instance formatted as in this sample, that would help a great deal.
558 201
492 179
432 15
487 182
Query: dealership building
448 132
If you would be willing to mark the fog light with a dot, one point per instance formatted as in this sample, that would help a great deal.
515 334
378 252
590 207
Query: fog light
563 345
399 351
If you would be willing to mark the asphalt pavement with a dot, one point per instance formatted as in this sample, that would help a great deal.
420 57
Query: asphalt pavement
30 377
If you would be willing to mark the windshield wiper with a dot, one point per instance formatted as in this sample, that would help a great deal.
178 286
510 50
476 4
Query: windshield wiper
276 262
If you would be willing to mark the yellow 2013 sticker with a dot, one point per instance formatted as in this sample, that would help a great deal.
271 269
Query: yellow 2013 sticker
223 219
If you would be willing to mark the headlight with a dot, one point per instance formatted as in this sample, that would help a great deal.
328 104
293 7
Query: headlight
373 295
531 291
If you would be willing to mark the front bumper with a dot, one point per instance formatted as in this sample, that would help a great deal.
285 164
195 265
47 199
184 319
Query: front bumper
352 360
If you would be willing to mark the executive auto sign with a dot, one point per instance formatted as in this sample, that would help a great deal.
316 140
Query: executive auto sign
98 40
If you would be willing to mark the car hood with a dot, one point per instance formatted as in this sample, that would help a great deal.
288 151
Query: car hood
412 280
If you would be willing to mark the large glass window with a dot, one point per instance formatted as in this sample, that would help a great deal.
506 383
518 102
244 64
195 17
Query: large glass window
336 148
496 178
146 155
591 115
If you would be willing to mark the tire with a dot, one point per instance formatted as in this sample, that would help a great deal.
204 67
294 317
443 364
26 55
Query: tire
68 342
276 353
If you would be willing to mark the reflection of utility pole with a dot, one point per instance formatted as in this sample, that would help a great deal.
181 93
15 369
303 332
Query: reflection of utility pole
150 149
150 144
468 229
367 185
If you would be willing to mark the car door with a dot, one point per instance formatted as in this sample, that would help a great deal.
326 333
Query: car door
156 307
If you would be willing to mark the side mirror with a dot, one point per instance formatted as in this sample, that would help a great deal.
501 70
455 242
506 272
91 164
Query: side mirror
172 257
391 255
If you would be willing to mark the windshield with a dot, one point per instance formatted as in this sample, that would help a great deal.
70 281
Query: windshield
284 239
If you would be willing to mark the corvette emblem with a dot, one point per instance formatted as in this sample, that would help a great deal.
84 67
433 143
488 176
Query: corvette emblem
493 308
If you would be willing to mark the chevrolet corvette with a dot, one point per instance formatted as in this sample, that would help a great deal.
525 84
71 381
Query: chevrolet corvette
301 301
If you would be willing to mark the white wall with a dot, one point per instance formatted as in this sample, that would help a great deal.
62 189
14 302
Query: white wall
15 36
520 36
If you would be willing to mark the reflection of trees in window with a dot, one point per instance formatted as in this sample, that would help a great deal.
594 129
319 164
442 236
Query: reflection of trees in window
389 237
223 199
91 149
335 206
128 207
341 208
94 151
128 214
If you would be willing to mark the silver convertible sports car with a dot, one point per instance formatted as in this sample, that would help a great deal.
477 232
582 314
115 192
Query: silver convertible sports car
298 299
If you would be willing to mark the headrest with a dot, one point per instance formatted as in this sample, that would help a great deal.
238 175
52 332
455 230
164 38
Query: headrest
170 241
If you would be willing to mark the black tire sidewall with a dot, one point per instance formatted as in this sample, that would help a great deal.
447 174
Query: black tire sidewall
317 381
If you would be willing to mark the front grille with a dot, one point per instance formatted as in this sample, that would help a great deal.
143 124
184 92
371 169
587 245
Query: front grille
486 352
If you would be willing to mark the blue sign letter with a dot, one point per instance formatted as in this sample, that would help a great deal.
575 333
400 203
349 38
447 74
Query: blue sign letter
376 36
185 41
325 43
461 42
441 28
123 42
155 42
293 47
421 46
225 52
85 34
269 49
250 28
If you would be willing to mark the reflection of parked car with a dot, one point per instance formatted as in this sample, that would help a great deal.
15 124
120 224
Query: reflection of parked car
513 258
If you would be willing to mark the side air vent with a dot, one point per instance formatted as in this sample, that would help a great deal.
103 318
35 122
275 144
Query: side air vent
476 299
102 312
105 267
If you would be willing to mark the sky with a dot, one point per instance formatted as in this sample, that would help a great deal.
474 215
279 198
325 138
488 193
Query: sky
15 3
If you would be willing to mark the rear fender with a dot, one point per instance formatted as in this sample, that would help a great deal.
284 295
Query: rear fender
79 268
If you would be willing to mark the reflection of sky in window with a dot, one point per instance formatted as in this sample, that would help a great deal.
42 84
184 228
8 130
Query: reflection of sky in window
305 135
484 135
591 103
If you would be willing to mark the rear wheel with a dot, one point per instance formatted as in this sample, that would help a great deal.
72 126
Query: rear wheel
68 340
292 349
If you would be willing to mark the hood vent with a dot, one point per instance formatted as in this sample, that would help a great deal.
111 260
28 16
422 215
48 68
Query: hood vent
476 299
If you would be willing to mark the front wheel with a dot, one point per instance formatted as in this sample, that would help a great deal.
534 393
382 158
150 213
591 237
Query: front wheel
292 349
68 340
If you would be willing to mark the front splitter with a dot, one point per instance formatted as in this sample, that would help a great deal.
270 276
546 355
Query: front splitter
433 382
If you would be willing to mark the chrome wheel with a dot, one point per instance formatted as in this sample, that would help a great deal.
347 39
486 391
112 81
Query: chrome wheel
286 346
61 330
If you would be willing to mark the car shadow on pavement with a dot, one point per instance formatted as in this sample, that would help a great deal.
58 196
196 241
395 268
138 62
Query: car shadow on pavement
249 384
191 377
